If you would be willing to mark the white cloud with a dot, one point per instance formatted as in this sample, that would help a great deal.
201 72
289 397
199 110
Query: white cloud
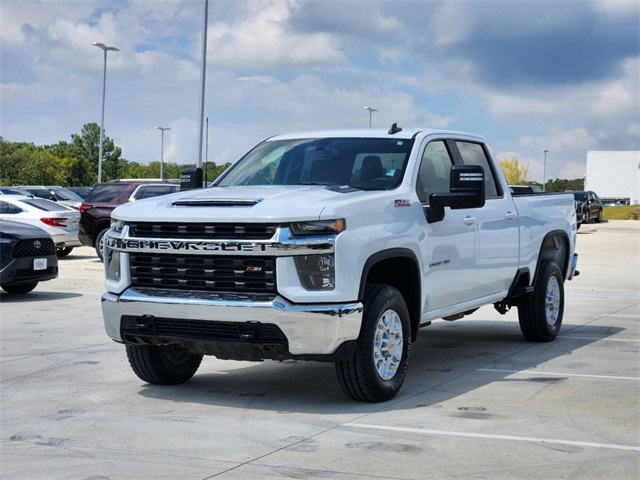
260 40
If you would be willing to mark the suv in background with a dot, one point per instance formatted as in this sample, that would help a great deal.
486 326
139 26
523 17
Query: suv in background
588 206
95 211
55 194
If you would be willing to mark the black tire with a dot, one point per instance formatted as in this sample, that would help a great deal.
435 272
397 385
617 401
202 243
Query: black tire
587 217
163 365
98 243
599 217
540 315
63 251
373 374
19 289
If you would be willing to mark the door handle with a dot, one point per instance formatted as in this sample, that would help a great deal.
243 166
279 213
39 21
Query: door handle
510 216
470 220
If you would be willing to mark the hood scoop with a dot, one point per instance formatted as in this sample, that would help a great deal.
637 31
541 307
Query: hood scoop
217 202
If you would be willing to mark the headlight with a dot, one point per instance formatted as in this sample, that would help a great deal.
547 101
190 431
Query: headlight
316 272
117 225
319 227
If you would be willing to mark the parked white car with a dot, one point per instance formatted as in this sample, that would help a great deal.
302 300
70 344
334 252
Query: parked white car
58 220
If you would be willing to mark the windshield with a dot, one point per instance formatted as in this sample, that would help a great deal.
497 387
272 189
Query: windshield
580 196
64 194
362 163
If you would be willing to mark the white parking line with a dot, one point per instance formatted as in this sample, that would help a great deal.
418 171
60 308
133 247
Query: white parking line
608 339
556 374
424 431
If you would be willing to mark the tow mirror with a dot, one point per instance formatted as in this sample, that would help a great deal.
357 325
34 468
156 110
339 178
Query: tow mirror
466 190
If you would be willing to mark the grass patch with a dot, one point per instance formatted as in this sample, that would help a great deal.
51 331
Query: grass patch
629 212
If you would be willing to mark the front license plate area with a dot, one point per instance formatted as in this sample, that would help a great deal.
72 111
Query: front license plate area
39 263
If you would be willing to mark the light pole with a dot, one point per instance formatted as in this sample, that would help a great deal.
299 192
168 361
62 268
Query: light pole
371 110
544 171
162 129
105 49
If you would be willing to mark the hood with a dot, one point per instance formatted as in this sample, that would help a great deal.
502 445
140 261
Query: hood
17 230
246 204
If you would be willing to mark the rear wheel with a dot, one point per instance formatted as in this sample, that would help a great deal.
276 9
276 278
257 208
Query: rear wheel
378 367
98 243
540 315
20 289
599 217
587 217
63 251
163 365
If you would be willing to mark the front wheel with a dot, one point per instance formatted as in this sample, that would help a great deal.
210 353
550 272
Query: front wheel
379 364
599 217
540 315
163 365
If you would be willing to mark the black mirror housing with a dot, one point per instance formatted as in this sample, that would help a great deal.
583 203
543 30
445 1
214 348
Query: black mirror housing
466 189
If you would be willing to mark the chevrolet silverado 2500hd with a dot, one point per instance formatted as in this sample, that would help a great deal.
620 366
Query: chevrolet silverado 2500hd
333 246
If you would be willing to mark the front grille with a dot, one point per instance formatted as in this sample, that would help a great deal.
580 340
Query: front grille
203 231
28 248
199 272
203 330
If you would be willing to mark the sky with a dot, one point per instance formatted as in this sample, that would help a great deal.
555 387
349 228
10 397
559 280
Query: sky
556 75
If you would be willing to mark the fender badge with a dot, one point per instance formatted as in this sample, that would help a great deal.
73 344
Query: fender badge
402 202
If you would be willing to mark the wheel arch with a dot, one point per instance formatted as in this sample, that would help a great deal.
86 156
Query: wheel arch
398 267
100 225
555 246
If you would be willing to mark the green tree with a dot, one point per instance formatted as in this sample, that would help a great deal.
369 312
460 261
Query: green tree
514 172
560 185
78 168
30 165
87 144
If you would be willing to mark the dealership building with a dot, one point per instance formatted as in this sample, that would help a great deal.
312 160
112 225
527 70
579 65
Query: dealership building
614 174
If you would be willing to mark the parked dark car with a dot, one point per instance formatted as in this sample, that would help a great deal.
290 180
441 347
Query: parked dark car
81 191
588 206
95 211
55 194
27 257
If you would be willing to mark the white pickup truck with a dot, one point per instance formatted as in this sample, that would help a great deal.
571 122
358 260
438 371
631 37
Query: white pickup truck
333 246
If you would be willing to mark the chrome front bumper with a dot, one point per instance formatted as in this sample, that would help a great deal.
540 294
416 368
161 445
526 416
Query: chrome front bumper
310 329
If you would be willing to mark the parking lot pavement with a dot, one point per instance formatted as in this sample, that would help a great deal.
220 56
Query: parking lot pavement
478 402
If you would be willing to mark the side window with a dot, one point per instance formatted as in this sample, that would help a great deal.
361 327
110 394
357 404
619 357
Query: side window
474 154
8 208
150 191
435 169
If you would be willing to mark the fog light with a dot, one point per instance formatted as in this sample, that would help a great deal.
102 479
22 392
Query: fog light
113 265
316 272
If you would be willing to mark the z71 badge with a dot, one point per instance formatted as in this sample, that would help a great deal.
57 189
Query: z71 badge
402 202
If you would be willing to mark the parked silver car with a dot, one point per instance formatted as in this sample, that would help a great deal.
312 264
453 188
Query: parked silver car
59 221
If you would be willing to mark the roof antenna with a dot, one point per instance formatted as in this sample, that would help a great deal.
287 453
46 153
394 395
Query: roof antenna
394 129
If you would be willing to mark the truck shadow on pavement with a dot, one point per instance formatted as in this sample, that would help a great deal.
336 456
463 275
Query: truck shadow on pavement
447 361
36 296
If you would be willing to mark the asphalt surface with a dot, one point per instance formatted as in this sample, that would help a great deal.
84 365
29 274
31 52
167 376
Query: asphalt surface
478 402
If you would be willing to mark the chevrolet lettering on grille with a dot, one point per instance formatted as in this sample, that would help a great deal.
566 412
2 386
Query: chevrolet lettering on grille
127 244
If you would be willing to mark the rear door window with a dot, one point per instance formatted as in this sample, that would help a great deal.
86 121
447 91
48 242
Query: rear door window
474 154
45 205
